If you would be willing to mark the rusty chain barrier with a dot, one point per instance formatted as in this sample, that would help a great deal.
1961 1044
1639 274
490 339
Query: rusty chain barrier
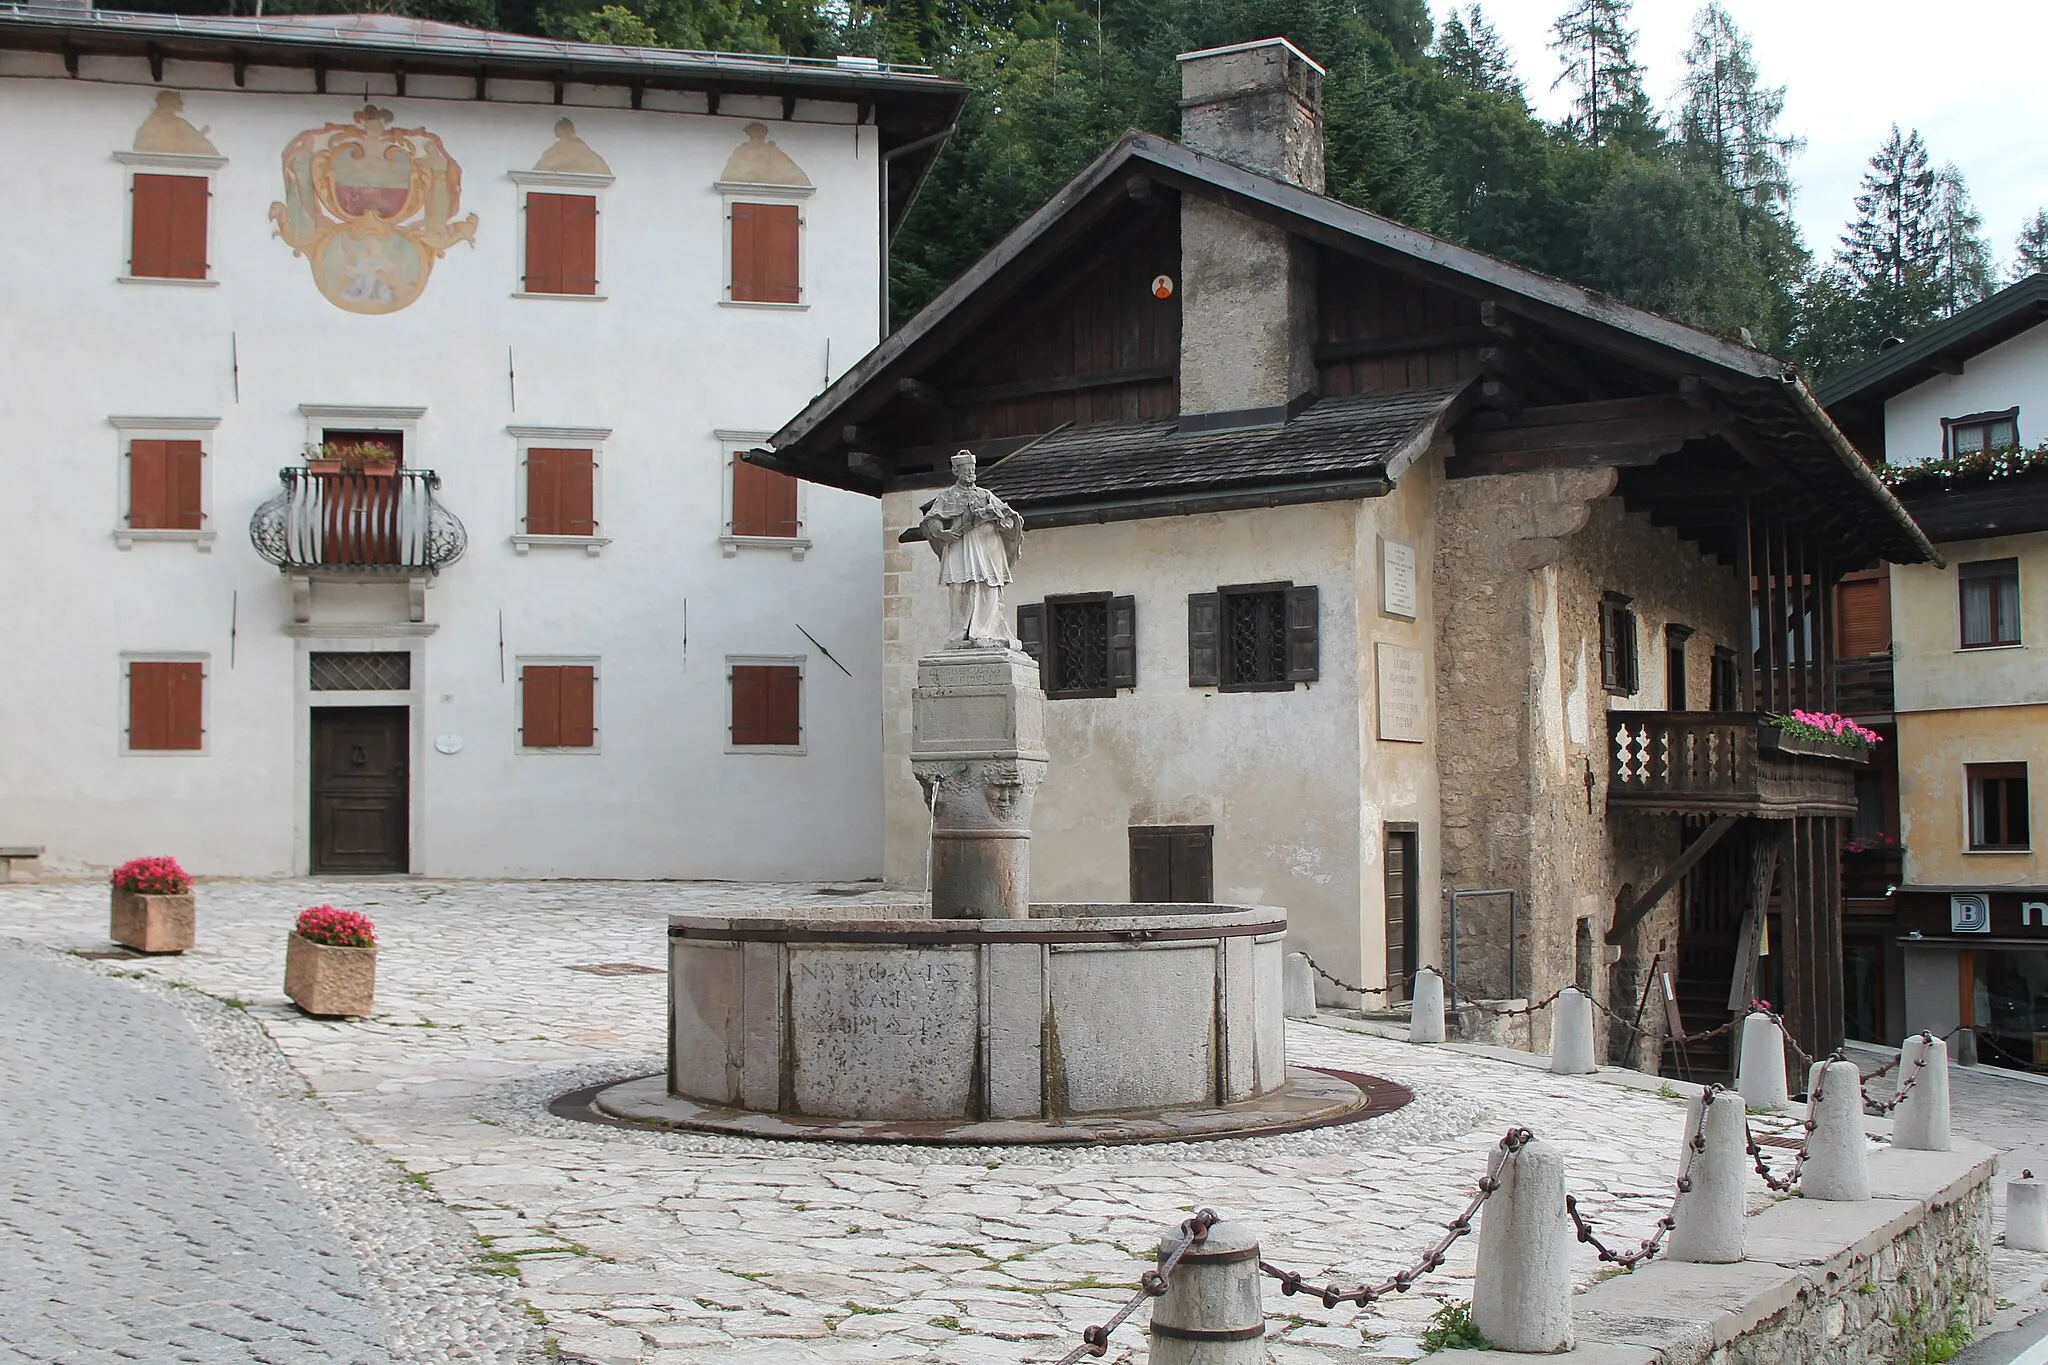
1651 1245
1402 1280
1152 1284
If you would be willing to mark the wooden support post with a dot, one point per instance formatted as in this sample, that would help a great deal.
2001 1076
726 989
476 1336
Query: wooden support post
1745 574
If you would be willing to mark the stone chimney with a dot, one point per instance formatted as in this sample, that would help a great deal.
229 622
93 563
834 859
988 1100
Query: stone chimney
1248 288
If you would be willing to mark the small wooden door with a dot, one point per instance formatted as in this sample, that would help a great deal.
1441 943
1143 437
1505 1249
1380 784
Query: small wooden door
1402 931
1172 863
359 789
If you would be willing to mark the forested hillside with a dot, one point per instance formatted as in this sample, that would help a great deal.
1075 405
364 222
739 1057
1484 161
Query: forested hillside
1683 210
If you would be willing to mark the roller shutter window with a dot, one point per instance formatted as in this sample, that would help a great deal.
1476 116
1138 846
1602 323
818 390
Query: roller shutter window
1863 616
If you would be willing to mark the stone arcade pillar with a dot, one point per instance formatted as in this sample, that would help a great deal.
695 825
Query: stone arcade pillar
977 747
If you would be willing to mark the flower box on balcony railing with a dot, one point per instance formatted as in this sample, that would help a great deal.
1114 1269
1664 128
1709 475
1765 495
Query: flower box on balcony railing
1773 740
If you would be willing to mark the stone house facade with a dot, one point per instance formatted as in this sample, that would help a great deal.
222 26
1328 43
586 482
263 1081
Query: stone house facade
551 627
1363 571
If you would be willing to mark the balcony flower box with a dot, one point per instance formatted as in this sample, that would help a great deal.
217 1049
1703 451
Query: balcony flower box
330 963
1775 741
152 908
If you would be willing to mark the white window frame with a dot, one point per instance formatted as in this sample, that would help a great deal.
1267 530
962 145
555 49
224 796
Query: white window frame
174 656
596 666
730 444
131 429
199 166
559 182
320 417
571 438
732 192
803 703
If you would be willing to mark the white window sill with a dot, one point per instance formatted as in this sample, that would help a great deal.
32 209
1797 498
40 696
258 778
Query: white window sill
592 545
763 303
1988 649
208 283
127 752
785 750
1997 853
202 541
562 298
561 750
795 546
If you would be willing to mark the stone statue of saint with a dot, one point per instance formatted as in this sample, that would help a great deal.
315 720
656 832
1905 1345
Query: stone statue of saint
977 539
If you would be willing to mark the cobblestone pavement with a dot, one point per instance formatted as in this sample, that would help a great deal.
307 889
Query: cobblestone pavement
141 1216
645 1248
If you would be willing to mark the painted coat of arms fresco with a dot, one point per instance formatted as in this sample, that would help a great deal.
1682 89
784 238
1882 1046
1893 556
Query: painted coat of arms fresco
371 207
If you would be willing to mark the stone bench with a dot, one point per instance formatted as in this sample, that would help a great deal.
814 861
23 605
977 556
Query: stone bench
12 853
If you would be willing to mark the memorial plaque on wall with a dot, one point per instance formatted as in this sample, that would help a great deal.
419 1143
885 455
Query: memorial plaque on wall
1400 693
1397 578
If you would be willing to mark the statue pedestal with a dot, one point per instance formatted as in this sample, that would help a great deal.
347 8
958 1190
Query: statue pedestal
977 747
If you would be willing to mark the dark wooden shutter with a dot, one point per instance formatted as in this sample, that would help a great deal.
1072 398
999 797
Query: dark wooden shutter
186 705
576 505
1863 612
1192 867
783 705
187 241
1205 654
1123 642
543 491
1631 653
540 706
149 486
1151 866
577 268
165 705
183 484
149 250
763 501
1031 630
577 726
764 253
1304 645
544 243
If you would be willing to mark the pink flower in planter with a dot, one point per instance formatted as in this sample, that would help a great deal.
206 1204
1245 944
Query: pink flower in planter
152 877
336 928
1825 725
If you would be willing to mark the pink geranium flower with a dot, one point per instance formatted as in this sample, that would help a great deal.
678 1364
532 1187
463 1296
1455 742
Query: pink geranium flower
152 877
336 928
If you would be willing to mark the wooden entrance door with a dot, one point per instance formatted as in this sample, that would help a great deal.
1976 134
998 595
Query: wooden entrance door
359 789
1403 935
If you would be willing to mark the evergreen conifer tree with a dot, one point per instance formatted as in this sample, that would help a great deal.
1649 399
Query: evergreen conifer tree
1963 271
1891 254
2030 252
1471 52
1597 47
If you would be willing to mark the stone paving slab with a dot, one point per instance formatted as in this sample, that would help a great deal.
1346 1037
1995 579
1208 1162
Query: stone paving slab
141 1216
673 1249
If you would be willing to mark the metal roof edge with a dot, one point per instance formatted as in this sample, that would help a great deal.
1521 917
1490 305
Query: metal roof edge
1957 332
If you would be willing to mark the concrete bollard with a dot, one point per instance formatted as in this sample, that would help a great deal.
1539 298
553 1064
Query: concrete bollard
2026 1213
1920 1123
1426 1010
1966 1047
1708 1223
1522 1289
1298 987
1837 1166
1760 1074
1211 1312
1571 1034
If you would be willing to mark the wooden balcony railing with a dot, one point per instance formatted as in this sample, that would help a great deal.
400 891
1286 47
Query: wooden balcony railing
358 523
1721 763
1863 686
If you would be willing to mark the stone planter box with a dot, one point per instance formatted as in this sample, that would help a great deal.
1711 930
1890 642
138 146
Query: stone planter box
1771 739
325 980
151 924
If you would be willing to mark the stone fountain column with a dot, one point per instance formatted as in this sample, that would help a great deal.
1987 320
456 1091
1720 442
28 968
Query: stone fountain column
977 747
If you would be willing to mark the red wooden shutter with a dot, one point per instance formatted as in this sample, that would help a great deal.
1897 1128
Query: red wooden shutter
764 253
1863 609
543 491
763 501
783 686
165 705
749 705
149 485
187 243
149 252
576 508
577 269
182 480
578 727
544 243
540 706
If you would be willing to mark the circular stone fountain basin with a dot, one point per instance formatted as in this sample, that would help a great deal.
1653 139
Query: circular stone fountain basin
885 1020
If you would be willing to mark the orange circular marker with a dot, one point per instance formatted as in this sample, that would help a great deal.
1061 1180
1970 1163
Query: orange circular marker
1162 286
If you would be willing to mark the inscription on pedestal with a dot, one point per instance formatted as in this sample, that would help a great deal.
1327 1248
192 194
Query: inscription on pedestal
888 1011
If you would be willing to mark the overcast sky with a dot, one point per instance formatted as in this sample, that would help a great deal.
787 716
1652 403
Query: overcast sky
1961 71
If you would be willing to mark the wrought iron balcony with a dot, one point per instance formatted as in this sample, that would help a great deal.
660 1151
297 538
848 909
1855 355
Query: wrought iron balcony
355 523
1725 763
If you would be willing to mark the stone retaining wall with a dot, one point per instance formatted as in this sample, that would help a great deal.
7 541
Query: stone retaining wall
1823 1283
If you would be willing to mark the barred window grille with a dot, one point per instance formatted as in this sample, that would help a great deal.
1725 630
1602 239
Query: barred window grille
1080 640
362 672
1255 637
